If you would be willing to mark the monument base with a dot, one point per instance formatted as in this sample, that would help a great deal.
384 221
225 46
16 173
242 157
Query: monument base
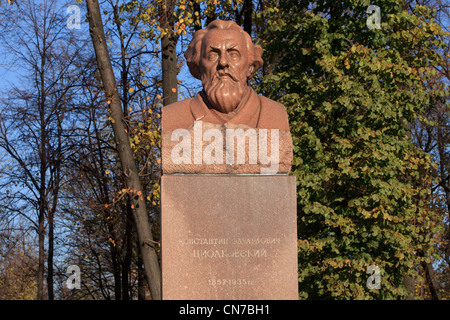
229 237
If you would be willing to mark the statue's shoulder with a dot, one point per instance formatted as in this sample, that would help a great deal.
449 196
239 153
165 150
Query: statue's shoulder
273 115
176 115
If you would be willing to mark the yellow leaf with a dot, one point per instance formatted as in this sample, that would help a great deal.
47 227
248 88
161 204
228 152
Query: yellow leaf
347 64
131 90
158 96
174 90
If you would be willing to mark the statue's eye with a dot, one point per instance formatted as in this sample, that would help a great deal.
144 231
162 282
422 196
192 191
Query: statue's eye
212 55
234 54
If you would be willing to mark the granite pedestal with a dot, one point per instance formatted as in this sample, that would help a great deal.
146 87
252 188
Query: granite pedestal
229 237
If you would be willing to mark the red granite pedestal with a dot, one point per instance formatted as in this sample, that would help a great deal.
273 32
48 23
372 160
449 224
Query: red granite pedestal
229 237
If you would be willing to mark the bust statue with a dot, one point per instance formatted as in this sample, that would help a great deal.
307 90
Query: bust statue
240 125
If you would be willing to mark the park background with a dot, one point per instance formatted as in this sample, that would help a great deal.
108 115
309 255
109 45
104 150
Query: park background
365 85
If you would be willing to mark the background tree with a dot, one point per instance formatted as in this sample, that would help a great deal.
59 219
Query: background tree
34 121
18 262
351 95
128 164
431 133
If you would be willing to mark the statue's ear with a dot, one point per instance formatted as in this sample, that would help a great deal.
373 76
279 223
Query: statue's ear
257 61
251 71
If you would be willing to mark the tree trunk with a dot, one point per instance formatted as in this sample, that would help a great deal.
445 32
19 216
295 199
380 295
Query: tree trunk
210 12
169 69
431 282
41 258
149 256
51 238
141 277
197 18
128 246
42 175
168 53
115 261
55 163
247 7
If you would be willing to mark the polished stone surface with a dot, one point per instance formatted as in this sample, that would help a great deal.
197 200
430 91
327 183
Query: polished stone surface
226 149
229 237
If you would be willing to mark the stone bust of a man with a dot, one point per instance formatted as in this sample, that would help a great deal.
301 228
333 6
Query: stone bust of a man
223 57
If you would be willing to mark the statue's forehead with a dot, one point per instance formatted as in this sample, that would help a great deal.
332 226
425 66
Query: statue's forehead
219 37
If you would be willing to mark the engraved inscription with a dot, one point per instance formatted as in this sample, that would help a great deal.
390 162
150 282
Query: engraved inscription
251 253
230 282
202 241
213 248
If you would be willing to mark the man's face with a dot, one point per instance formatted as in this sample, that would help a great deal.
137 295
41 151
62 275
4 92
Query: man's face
224 68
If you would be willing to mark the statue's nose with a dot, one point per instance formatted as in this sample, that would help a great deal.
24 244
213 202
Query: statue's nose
223 62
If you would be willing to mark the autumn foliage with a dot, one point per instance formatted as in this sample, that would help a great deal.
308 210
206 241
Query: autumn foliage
363 186
368 110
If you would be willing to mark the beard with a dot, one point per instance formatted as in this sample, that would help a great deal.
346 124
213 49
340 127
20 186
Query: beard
224 91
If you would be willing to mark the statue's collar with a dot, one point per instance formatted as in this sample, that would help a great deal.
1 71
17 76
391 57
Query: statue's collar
246 113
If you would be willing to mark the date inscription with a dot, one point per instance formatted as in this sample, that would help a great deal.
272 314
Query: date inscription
230 282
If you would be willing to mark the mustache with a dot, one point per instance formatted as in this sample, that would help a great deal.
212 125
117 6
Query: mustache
222 73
